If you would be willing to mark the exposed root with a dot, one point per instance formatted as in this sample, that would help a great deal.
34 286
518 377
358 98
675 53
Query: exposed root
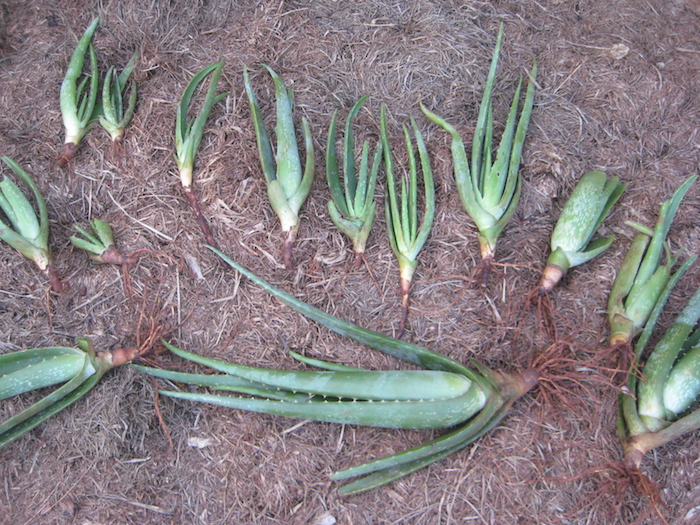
199 216
287 253
54 280
544 311
619 480
67 154
565 377
358 260
405 304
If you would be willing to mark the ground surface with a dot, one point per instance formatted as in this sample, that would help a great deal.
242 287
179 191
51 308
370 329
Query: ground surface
618 90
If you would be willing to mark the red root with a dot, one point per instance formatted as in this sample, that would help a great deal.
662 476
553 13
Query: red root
201 221
67 154
287 254
357 262
54 280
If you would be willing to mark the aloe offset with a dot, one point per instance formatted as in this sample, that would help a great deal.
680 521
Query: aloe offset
352 205
99 243
116 117
642 278
406 237
188 136
287 186
79 94
28 233
79 369
584 212
659 409
491 189
448 394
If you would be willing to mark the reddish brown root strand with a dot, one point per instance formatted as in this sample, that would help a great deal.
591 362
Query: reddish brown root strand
201 221
113 256
357 262
54 280
486 269
67 154
287 253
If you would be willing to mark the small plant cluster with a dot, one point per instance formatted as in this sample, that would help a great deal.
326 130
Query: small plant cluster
468 401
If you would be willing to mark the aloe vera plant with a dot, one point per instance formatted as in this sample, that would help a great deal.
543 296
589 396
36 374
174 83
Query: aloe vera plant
287 186
116 117
642 278
491 189
663 407
79 94
28 233
584 212
188 136
352 206
447 394
78 370
407 235
99 243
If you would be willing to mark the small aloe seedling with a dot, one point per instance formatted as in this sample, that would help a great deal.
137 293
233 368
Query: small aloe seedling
79 94
469 402
115 116
642 278
352 207
99 243
79 369
29 233
402 221
490 190
188 135
287 186
589 204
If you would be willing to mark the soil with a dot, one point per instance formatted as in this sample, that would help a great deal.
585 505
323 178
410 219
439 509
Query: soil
618 89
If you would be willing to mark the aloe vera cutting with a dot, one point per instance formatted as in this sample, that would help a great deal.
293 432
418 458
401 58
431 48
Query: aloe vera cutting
447 394
99 243
592 199
642 278
352 205
116 117
287 186
663 407
407 234
28 233
189 133
79 94
490 190
77 370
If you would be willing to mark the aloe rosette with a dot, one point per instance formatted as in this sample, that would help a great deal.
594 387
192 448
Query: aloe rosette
584 212
352 207
28 232
189 133
447 394
490 189
99 243
287 185
642 278
116 116
663 406
77 370
407 232
79 94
